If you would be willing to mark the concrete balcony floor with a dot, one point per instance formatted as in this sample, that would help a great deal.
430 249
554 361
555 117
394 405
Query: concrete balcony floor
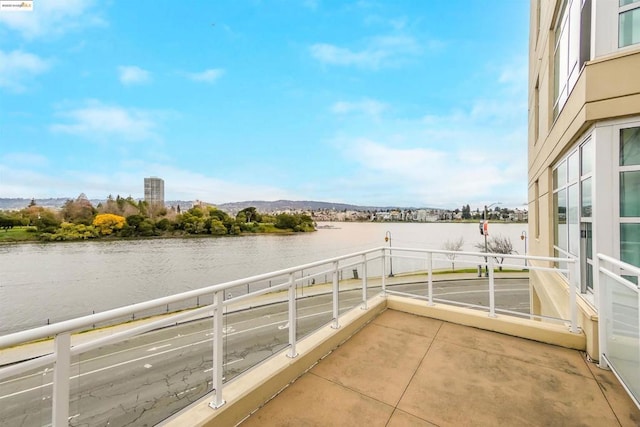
407 370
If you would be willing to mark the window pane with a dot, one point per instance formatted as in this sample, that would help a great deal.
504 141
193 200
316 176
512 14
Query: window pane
630 243
626 2
630 194
629 28
587 157
573 167
574 35
560 219
587 205
574 226
587 236
589 278
556 73
630 146
560 175
585 32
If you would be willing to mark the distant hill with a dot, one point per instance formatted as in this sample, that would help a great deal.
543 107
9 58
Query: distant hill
234 207
19 203
281 205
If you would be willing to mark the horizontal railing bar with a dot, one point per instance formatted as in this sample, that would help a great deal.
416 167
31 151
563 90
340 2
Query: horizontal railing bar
621 280
627 267
106 340
85 321
481 254
274 288
26 365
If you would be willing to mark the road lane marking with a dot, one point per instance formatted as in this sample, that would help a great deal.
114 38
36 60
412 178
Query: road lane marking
285 326
186 391
159 347
146 365
226 364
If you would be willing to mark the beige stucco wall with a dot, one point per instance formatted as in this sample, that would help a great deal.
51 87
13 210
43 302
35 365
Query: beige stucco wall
603 91
550 292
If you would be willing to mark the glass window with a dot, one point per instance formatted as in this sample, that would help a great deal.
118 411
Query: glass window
574 226
587 204
630 243
626 2
572 166
560 175
630 194
587 158
572 44
629 28
587 235
630 146
560 214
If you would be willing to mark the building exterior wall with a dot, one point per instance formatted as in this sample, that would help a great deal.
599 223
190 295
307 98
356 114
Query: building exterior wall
584 125
154 191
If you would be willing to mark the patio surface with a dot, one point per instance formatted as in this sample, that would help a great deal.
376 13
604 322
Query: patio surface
407 370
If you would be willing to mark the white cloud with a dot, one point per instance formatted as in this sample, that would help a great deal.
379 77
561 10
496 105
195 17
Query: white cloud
96 120
206 76
127 179
473 154
369 107
51 18
26 159
17 67
131 75
377 52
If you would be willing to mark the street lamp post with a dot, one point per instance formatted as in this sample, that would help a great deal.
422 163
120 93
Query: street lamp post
523 236
387 238
485 230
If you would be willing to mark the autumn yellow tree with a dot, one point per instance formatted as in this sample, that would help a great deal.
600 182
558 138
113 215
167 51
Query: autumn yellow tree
107 223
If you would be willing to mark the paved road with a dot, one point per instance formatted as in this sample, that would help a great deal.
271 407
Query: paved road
143 380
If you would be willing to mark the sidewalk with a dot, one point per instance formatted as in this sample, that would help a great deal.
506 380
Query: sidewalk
44 347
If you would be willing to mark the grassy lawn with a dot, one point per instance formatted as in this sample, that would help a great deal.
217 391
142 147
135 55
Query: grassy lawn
18 234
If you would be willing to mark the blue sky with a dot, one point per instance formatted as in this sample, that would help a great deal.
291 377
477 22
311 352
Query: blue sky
407 103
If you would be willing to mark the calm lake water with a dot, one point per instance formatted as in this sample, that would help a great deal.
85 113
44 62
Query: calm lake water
58 281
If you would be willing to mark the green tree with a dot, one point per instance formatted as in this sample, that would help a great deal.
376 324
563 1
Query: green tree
78 211
250 214
134 220
296 222
146 228
217 228
164 224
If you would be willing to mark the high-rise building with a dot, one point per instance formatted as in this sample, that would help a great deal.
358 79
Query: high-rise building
154 191
584 151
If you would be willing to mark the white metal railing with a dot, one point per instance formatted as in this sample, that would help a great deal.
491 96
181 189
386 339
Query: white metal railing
619 321
489 261
64 351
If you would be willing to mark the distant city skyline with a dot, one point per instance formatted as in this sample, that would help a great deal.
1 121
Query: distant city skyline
364 102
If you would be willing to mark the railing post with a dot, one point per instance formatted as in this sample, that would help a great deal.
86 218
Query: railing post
292 318
492 288
384 272
336 312
218 355
430 277
61 373
573 282
603 312
364 281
